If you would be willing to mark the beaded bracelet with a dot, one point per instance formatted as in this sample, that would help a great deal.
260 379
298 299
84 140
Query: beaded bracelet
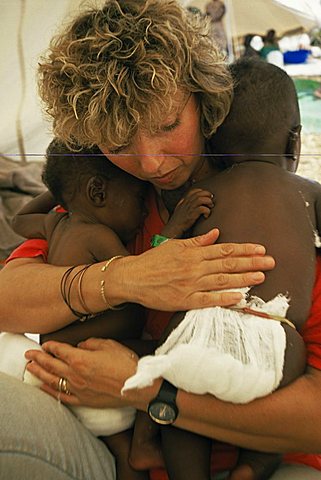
102 285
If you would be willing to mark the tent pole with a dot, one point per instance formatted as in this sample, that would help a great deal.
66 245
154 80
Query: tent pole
229 29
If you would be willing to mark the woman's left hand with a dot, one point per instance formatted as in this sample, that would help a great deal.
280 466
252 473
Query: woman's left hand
95 371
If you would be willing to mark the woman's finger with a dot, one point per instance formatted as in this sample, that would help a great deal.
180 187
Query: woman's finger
52 368
62 397
48 363
237 265
95 344
63 351
223 249
203 240
51 384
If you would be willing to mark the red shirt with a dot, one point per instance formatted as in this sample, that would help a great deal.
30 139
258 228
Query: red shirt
224 456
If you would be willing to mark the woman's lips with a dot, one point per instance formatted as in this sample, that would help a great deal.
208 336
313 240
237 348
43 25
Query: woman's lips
165 179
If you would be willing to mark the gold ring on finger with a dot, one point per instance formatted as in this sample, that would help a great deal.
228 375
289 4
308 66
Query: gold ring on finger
63 386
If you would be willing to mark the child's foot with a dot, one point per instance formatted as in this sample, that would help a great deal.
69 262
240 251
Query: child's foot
242 472
146 456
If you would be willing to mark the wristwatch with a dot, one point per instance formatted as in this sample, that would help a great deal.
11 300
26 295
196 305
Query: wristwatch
163 409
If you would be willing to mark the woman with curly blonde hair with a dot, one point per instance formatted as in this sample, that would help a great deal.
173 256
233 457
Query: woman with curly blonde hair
125 67
142 80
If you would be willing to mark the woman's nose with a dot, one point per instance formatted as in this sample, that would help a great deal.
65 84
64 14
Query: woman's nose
150 164
149 154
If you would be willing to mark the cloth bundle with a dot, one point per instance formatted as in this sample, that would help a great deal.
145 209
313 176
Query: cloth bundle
234 356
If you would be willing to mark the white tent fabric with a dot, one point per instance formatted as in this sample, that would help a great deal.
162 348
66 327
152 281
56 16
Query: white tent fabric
26 27
310 9
257 16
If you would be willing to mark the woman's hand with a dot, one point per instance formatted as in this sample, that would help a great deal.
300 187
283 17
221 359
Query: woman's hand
187 274
95 371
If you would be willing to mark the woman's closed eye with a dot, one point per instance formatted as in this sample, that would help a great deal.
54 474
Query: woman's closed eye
172 126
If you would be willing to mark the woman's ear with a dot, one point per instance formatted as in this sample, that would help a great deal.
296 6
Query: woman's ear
293 149
96 190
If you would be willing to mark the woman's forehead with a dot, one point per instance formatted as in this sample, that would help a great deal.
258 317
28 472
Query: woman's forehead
175 108
172 109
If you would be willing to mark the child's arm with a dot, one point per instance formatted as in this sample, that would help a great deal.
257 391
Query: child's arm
197 202
29 222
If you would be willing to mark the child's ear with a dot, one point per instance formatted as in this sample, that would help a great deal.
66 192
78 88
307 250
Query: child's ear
294 144
96 190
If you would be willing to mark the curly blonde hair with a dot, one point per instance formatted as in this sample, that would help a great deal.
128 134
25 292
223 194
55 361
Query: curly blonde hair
118 67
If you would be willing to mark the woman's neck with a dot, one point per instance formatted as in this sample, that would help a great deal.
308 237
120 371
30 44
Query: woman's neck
205 169
162 210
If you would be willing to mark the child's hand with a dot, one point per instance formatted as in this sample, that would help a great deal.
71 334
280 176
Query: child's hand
195 203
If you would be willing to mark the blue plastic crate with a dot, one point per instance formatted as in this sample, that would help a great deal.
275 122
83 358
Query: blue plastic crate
296 56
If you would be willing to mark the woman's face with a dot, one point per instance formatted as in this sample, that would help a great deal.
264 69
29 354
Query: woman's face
168 158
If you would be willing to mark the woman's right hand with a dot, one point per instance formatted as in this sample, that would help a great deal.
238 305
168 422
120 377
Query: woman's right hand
188 274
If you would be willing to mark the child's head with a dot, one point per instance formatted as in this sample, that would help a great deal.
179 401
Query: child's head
264 116
88 183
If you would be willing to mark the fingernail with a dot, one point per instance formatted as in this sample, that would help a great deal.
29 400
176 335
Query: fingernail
259 250
258 277
236 297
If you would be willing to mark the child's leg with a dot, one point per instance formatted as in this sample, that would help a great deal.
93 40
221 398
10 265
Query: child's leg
145 451
119 445
186 455
254 465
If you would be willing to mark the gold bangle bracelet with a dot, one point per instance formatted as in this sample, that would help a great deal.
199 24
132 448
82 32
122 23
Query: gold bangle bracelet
102 284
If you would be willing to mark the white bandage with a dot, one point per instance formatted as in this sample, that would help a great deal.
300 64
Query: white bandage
234 356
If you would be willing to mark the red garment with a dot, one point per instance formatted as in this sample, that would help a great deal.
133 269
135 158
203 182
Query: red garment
156 321
311 334
29 249
224 456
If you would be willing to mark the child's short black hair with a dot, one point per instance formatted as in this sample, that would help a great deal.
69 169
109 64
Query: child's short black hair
264 107
64 169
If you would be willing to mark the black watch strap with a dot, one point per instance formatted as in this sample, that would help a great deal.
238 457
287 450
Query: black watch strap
167 392
163 409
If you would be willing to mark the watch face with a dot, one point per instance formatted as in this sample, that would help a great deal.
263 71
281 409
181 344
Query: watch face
162 413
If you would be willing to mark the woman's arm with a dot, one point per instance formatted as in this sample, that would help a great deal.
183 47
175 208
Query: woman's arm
178 275
287 420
